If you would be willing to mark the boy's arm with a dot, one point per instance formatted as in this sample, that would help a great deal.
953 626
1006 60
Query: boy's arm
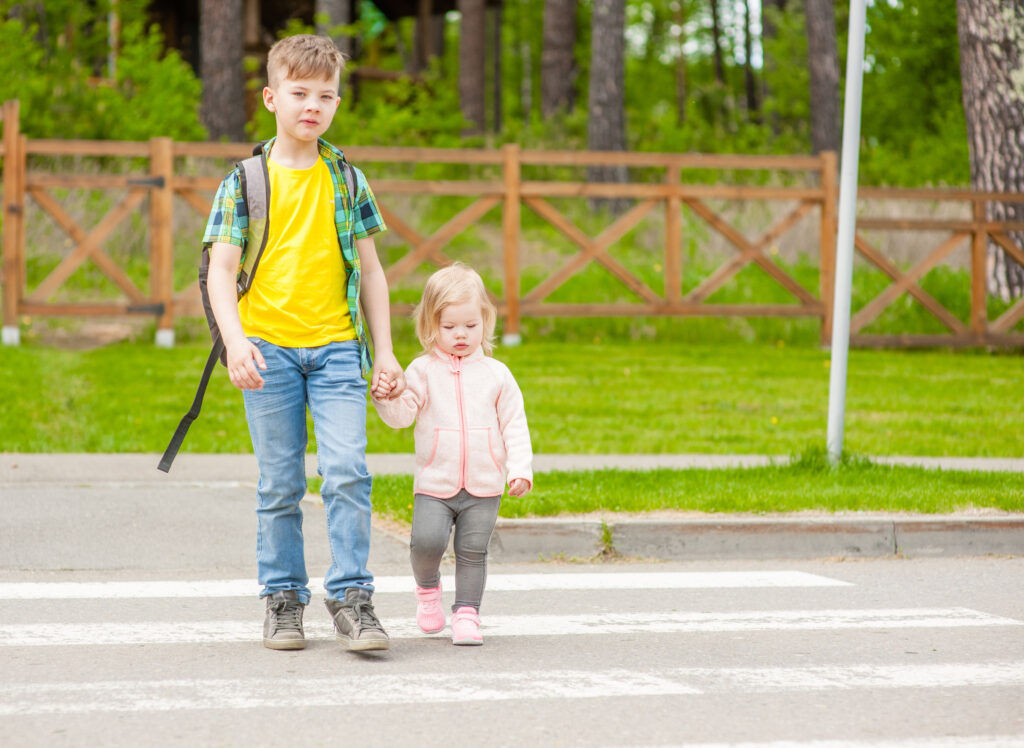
242 356
377 307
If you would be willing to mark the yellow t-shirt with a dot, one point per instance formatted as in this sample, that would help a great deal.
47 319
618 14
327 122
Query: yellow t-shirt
297 299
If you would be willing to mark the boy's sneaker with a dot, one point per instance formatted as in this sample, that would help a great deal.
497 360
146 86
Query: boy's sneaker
466 627
355 622
429 613
282 628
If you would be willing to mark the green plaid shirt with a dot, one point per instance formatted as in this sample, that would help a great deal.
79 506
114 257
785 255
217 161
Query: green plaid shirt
229 223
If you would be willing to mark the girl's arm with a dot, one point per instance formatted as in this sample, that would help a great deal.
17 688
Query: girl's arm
516 434
400 412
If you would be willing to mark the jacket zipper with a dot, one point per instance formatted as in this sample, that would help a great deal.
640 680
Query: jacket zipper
463 432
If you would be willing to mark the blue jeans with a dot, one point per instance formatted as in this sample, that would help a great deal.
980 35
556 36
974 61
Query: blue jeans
328 380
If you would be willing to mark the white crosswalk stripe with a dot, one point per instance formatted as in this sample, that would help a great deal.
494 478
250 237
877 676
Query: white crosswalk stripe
987 741
495 583
197 632
251 693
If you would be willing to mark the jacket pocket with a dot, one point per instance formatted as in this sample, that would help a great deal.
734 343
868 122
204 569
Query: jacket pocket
485 462
440 470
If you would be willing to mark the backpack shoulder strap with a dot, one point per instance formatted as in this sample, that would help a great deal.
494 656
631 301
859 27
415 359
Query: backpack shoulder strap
350 181
255 179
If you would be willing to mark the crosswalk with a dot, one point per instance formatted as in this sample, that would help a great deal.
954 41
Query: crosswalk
554 656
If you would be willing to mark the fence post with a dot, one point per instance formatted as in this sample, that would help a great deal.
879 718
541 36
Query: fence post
827 261
510 230
13 209
673 238
161 237
979 271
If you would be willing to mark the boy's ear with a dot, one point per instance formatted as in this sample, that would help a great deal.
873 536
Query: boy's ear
268 98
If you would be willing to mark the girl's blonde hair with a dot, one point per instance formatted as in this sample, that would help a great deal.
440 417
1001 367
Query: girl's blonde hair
303 56
454 284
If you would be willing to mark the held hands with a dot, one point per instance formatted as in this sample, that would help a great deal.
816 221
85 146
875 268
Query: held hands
519 487
388 379
243 359
382 390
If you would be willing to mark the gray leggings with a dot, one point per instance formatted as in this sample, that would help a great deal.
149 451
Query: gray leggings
432 521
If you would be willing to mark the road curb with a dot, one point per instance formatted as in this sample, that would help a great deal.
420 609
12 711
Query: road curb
669 538
757 538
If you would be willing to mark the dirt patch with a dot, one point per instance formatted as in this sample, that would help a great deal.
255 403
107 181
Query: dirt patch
84 335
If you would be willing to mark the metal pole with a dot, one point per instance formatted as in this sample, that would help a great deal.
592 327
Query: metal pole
847 229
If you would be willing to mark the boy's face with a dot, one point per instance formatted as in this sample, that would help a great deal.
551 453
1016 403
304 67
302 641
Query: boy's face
303 107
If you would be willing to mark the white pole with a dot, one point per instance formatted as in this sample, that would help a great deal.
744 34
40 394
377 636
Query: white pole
847 229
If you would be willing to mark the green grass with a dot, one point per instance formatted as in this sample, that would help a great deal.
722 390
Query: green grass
808 484
598 398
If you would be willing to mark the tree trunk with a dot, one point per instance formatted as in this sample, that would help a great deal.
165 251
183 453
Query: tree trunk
753 107
422 36
679 17
329 15
823 62
429 38
221 68
770 65
716 33
471 64
991 60
558 75
606 128
497 20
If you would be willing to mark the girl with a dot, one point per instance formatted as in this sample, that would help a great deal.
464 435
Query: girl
470 432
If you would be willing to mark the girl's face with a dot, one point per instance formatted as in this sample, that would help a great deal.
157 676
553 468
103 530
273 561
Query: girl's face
461 329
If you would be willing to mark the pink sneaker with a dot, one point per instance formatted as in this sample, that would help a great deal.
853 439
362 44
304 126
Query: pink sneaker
429 614
466 627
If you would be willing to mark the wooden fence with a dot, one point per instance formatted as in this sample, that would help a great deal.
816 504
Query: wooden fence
154 189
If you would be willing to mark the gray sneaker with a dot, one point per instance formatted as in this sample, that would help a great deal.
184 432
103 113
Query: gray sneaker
355 622
282 628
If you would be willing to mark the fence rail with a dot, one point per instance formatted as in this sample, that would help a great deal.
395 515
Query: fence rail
153 193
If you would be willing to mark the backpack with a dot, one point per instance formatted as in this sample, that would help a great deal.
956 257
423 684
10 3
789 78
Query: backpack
255 186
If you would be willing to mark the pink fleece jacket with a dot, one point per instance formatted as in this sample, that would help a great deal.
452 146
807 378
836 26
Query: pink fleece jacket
470 424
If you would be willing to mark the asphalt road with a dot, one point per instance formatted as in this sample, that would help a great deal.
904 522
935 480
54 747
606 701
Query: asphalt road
129 617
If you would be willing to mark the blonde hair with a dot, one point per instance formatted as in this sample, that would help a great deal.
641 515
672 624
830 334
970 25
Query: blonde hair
303 56
454 284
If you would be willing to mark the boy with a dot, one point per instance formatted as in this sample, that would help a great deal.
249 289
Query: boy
297 337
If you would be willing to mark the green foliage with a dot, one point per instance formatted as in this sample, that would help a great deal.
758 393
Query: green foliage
808 483
54 54
913 121
53 59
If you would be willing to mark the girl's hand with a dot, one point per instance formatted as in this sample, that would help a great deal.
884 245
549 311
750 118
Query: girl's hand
519 487
382 390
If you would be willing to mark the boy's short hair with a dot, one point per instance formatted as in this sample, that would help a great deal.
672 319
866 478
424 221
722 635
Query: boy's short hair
455 284
303 56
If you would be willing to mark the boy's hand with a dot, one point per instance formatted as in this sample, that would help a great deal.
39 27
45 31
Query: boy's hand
519 487
243 358
386 365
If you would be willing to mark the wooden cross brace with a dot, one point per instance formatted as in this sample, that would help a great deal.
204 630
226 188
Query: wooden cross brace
88 245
